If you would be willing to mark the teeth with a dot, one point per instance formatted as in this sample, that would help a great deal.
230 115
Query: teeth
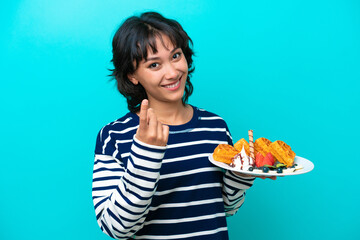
173 85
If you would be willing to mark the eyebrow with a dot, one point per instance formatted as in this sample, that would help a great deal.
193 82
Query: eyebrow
157 58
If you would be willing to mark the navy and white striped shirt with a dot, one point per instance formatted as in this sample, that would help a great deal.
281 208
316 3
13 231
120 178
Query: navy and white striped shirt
143 191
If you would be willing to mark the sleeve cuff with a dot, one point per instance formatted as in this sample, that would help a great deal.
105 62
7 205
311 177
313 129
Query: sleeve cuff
243 177
150 146
234 181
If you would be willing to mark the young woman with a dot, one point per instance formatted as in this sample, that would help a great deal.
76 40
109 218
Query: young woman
152 178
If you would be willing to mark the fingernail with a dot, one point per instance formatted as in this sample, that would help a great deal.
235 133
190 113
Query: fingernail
145 102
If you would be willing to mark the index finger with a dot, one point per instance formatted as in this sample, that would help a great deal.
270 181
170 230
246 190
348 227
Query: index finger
143 113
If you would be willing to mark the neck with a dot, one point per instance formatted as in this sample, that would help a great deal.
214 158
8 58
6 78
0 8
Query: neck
174 113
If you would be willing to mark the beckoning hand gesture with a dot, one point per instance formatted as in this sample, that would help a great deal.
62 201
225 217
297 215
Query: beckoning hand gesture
150 130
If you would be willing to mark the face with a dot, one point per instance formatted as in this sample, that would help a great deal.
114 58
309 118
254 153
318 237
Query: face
163 74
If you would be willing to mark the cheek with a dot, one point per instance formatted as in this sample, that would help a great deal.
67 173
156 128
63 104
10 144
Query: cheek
184 66
148 77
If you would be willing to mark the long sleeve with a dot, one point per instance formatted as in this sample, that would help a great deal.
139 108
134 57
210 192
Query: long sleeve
171 192
122 196
234 191
234 187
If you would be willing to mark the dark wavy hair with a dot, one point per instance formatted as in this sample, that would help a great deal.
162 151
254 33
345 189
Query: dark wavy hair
131 43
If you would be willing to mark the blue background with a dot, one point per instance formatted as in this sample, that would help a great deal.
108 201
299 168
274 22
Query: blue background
289 70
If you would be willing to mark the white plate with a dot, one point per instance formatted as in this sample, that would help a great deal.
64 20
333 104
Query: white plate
305 163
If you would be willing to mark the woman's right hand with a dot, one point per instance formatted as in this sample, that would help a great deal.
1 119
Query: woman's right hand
150 130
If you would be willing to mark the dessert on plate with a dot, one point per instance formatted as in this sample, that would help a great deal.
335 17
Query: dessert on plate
224 153
242 143
259 156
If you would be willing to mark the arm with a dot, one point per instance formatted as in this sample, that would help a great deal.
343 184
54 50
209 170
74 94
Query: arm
234 187
122 196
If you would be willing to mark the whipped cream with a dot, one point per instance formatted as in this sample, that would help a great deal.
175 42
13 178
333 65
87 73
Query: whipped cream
241 161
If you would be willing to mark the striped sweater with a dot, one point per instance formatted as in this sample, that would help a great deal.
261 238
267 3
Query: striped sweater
143 191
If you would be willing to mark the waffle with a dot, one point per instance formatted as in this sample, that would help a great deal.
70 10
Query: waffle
261 145
282 152
239 145
224 153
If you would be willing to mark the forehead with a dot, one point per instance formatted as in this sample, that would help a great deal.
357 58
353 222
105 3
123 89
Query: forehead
161 41
149 45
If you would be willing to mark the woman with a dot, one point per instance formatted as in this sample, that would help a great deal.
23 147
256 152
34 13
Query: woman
152 178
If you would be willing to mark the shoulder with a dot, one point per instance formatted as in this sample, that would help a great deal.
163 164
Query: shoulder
204 115
122 125
214 123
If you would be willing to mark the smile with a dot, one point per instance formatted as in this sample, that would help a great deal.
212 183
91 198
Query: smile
173 86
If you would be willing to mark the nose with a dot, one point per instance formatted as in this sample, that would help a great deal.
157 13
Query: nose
171 72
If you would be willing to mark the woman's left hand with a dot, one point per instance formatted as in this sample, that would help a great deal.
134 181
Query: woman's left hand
262 177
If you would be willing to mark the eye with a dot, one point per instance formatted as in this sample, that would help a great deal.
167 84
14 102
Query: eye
176 55
153 65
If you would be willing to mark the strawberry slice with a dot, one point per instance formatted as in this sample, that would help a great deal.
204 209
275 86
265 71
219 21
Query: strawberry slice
269 159
259 160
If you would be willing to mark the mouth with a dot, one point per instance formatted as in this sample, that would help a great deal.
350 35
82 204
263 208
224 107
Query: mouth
173 86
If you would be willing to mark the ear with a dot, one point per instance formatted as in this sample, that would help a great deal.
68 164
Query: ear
132 79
